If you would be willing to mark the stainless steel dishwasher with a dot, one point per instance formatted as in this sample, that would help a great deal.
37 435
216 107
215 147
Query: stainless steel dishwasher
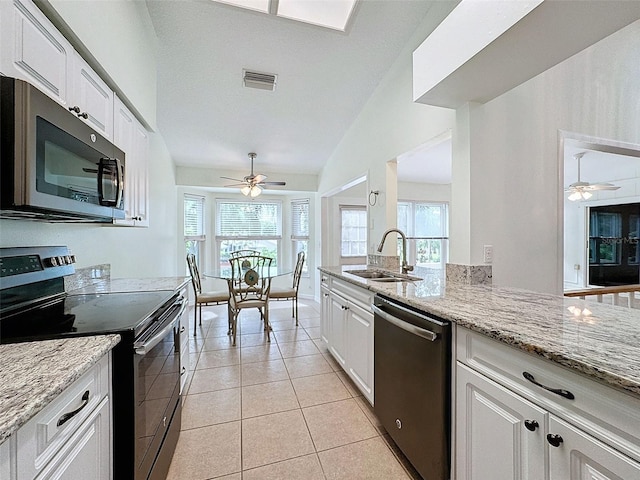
412 378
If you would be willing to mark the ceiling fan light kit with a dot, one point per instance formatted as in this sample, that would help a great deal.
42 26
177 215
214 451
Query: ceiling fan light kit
582 190
252 185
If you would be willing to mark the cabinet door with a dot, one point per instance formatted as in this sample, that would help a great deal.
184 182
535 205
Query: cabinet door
123 131
337 328
580 456
33 50
360 350
88 452
325 311
92 97
141 162
493 441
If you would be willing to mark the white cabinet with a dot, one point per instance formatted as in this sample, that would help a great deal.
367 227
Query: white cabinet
347 328
91 99
185 367
33 50
564 426
68 439
131 136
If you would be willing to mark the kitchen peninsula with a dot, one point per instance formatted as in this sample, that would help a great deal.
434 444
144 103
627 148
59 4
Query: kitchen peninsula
589 352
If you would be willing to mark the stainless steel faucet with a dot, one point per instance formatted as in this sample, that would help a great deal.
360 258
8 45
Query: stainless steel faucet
405 268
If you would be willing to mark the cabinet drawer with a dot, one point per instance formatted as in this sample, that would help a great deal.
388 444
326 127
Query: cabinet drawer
357 295
45 434
606 413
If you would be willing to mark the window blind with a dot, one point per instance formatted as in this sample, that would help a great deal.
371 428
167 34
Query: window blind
194 217
300 219
248 219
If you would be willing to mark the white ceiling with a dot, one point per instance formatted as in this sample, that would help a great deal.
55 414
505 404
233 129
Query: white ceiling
429 163
209 119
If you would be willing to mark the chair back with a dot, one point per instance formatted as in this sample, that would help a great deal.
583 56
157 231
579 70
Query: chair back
195 275
243 253
250 277
297 273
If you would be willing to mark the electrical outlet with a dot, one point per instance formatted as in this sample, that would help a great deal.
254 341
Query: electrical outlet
488 253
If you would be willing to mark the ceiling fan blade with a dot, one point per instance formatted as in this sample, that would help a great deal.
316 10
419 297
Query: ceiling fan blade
602 186
273 183
236 185
259 178
234 179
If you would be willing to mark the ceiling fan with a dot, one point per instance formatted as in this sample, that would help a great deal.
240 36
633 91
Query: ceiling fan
582 190
252 184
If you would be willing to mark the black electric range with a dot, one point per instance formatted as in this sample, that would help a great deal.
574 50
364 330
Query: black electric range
145 364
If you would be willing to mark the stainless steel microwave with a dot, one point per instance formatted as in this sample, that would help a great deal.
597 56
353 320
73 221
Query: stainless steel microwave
53 166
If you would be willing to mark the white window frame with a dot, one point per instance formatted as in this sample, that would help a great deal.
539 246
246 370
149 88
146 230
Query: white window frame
412 238
300 234
219 238
198 236
353 259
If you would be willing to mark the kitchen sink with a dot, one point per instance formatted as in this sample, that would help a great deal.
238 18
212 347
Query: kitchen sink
378 276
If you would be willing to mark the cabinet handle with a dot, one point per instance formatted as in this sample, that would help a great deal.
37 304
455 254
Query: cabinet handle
531 425
183 371
75 109
558 391
554 439
84 115
344 307
182 329
68 416
325 295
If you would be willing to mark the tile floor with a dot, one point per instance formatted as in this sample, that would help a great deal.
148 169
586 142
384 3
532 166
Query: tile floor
280 410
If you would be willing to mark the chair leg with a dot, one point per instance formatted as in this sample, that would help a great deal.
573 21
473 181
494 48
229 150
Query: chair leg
267 327
229 314
234 326
195 318
295 299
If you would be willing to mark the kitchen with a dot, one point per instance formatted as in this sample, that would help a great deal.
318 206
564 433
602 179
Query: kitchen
524 168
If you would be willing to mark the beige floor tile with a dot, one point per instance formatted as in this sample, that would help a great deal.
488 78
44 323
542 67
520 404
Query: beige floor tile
280 324
272 438
298 349
218 343
337 423
208 452
370 459
313 332
260 353
319 389
264 372
320 345
218 330
211 408
366 407
266 398
332 361
406 464
211 379
218 358
307 468
348 383
306 366
233 476
294 335
282 314
310 321
253 339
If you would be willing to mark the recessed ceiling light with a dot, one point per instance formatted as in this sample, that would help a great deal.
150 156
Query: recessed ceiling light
326 13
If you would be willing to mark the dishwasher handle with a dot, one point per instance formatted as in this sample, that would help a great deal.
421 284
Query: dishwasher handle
408 327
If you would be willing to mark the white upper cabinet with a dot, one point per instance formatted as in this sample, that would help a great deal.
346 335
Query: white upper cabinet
91 99
33 50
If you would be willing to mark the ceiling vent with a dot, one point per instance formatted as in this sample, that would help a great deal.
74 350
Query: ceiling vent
262 81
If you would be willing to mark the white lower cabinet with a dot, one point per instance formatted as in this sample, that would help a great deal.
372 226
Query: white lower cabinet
346 326
563 427
68 439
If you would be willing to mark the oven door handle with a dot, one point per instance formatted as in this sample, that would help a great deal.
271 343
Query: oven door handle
409 327
144 348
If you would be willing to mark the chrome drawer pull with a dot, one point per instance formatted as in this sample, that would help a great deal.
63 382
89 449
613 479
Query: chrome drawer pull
68 416
558 391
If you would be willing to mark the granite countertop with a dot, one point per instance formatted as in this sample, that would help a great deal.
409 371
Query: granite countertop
603 343
34 373
126 285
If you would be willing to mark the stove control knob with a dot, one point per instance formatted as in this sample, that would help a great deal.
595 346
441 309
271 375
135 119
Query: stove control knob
61 261
50 262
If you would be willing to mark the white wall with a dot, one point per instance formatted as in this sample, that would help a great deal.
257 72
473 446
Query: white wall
515 154
132 252
424 192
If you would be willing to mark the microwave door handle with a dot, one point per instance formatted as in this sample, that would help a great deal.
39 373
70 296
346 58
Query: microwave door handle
105 165
120 173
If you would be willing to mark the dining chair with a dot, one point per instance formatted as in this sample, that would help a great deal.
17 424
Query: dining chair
249 287
216 297
243 253
285 293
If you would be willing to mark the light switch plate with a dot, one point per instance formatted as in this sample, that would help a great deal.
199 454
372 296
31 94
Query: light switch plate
488 253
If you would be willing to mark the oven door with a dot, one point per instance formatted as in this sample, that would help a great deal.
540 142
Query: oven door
157 390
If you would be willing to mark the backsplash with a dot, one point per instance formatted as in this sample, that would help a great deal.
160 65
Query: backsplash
387 262
469 274
85 277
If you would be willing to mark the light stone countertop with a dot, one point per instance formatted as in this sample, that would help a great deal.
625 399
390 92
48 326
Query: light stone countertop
604 345
34 373
127 285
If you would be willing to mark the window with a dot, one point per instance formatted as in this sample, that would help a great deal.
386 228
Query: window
248 225
353 227
426 226
300 231
605 237
193 225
